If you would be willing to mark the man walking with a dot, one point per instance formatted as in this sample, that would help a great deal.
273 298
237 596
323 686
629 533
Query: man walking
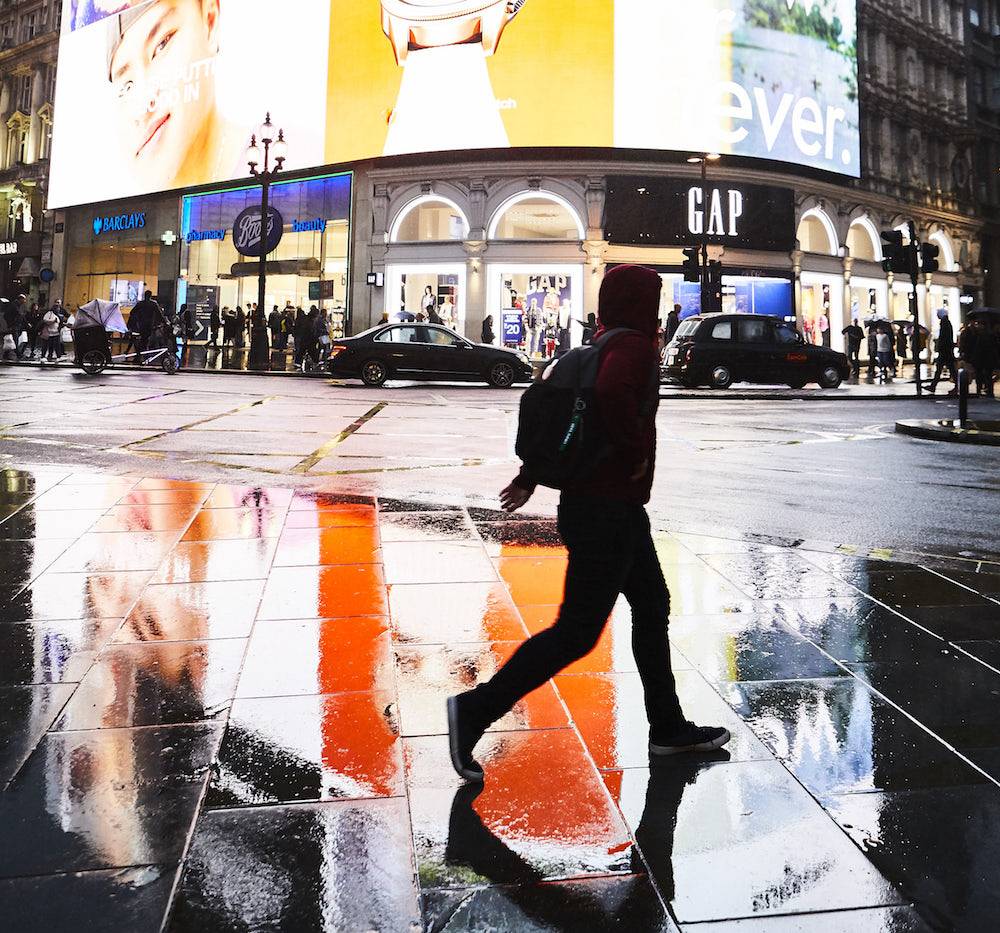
214 323
945 351
604 524
854 335
144 316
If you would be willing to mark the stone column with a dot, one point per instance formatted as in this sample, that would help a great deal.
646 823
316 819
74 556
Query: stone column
476 290
35 128
837 340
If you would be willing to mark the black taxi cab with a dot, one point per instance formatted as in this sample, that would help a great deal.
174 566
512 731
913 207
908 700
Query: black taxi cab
720 349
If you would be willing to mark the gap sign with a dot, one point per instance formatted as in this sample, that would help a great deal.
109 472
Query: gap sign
667 212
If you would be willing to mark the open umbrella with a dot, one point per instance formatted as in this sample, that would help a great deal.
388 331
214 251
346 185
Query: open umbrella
101 313
989 315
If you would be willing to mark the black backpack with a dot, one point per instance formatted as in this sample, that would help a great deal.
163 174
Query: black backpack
560 438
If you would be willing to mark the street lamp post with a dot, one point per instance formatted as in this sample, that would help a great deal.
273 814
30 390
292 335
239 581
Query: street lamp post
261 155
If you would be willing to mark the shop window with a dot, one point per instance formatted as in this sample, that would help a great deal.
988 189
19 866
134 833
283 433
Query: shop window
308 267
815 234
429 220
536 217
860 243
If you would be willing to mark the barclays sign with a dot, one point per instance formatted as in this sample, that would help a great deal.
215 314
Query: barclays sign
119 222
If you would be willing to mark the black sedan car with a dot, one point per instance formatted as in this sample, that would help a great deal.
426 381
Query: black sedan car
720 349
424 351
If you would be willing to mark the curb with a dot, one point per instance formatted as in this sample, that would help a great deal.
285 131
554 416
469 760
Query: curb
787 396
947 431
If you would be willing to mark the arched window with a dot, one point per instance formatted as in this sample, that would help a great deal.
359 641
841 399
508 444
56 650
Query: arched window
429 219
863 240
946 259
816 233
535 215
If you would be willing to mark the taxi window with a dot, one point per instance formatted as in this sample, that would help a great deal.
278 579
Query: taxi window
723 330
687 328
756 331
786 334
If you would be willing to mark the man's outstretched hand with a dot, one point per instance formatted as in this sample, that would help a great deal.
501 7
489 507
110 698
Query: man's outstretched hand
513 497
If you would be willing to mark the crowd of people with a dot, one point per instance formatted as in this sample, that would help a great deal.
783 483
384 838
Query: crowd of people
30 332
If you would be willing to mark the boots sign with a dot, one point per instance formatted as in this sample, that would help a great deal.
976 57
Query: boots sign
667 212
247 231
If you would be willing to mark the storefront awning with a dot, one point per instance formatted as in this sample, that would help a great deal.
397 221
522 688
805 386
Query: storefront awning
307 267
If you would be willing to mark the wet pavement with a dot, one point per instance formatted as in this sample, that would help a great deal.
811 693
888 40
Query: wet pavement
222 709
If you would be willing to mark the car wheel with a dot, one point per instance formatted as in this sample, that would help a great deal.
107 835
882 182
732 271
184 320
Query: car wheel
93 362
374 373
721 377
501 376
829 377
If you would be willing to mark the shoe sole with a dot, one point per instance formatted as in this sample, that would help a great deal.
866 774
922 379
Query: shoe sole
700 747
456 759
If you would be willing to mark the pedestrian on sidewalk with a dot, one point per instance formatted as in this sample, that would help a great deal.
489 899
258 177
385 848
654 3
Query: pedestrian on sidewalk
33 326
872 325
854 335
985 358
214 322
603 523
883 352
240 328
50 336
274 325
945 351
673 322
487 332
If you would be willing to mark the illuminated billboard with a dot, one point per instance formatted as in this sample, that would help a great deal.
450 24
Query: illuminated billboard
160 94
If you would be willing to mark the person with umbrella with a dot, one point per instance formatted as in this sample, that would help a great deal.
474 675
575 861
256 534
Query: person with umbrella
945 351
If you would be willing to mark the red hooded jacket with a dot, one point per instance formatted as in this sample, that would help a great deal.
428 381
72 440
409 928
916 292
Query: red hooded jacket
627 387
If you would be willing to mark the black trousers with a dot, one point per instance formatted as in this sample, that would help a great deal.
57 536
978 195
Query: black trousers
611 552
853 356
945 361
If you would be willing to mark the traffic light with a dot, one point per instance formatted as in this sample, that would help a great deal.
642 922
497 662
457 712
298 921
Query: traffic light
690 265
896 255
711 296
929 253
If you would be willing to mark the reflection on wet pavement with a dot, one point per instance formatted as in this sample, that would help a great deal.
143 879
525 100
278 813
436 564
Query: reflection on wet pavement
243 687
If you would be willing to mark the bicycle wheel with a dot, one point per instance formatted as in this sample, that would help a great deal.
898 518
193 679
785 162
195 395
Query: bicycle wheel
93 362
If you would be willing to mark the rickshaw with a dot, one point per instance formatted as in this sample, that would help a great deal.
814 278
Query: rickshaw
96 320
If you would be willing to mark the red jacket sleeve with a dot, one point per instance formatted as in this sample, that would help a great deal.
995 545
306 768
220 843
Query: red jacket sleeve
622 389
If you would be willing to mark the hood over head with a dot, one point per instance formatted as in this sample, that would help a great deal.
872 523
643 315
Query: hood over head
630 297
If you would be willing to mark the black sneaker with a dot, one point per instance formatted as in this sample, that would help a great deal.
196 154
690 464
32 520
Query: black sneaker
689 738
463 734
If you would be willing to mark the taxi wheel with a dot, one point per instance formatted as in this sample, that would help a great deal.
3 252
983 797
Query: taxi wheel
721 377
374 373
829 377
501 376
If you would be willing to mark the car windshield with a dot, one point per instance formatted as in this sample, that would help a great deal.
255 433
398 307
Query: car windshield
686 329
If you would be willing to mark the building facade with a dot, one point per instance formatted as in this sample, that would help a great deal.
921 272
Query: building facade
29 34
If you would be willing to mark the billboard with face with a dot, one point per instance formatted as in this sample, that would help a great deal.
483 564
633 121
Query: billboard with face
161 94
